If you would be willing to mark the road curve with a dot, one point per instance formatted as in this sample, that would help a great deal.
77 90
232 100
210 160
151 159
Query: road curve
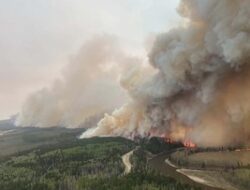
126 161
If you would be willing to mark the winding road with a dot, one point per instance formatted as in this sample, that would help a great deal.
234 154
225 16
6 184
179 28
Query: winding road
126 161
163 165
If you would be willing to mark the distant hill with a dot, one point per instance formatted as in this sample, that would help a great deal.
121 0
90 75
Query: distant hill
7 124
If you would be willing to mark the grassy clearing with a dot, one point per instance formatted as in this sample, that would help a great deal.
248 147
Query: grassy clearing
222 167
222 159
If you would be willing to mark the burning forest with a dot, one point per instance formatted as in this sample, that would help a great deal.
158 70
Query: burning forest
199 93
194 87
138 106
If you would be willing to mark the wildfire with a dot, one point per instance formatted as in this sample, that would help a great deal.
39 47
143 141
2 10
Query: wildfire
189 144
168 140
175 136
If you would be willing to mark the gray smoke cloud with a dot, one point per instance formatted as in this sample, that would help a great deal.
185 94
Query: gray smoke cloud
198 88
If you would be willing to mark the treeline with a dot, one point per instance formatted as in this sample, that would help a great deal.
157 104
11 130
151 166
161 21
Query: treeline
85 164
157 145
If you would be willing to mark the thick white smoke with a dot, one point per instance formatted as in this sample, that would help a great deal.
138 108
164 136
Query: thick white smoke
89 86
199 88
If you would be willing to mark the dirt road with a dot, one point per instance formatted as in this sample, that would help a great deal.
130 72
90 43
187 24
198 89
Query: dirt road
126 161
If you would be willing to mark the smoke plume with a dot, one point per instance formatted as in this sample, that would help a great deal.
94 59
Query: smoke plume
195 87
199 87
88 87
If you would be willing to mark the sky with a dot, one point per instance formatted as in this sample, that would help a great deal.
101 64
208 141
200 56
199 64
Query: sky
37 38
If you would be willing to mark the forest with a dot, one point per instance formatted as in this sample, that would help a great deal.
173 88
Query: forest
81 164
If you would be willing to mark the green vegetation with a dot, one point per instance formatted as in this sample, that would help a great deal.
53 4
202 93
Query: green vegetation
134 181
142 177
239 177
54 159
61 165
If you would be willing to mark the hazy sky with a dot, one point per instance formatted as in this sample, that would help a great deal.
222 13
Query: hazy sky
37 37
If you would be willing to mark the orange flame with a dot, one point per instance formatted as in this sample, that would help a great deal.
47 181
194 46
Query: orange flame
189 144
